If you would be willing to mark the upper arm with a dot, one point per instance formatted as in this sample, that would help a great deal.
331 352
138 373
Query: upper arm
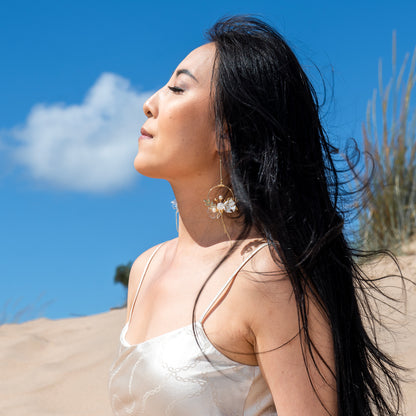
299 381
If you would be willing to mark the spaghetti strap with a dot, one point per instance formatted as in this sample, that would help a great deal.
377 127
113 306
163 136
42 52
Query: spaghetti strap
228 282
141 280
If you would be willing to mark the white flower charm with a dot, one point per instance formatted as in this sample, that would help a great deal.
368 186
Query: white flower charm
230 206
218 206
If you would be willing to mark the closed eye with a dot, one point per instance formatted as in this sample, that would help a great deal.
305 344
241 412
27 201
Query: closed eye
176 90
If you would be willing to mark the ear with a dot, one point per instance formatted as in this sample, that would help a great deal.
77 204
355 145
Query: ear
222 141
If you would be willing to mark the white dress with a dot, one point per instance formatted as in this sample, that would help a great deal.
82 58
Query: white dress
171 375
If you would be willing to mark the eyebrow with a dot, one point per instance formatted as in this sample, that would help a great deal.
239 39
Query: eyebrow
186 72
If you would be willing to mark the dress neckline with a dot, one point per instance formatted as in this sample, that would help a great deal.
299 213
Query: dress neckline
155 338
198 325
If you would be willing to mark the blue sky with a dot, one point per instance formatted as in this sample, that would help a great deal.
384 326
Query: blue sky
73 77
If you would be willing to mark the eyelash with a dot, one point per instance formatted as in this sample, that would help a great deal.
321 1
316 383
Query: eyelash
176 90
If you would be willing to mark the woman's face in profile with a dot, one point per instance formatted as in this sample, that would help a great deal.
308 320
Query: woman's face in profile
178 139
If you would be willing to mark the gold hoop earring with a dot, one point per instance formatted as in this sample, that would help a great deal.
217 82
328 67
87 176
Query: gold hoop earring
220 200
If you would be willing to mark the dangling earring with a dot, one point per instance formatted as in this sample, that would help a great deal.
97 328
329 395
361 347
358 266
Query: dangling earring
175 207
224 202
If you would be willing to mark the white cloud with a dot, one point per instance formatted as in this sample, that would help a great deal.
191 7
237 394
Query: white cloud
85 147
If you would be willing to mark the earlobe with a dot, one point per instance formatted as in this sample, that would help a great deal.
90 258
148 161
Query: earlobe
223 146
222 141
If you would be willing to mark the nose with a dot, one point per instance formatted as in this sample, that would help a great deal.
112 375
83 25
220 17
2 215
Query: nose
150 106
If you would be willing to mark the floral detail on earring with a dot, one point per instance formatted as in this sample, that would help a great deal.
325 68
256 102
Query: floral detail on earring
221 199
219 205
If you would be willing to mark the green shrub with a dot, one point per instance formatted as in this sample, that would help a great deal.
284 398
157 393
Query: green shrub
122 274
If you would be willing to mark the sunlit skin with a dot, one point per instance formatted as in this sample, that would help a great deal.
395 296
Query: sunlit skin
179 145
181 121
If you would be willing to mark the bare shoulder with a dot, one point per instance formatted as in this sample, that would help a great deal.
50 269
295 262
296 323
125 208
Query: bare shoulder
268 294
271 314
138 267
271 308
265 275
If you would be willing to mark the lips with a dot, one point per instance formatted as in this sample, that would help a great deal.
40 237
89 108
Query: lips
145 134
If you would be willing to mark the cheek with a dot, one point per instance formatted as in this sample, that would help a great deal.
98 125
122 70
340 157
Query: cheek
185 143
192 124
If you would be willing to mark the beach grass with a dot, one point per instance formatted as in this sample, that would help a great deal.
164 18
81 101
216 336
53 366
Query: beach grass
388 218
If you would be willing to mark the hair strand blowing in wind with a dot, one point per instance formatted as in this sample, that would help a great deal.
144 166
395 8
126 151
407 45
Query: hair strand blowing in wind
281 169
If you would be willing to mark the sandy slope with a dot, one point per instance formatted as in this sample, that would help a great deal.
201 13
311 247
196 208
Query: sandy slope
61 367
403 324
58 367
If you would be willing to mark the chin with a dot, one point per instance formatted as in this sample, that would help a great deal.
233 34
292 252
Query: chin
141 167
137 164
146 169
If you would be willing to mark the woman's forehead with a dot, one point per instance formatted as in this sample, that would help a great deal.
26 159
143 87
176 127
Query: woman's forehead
199 62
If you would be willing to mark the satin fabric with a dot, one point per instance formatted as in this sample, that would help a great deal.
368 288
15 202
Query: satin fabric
181 373
169 375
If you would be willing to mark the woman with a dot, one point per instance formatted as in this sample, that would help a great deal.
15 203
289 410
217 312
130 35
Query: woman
252 309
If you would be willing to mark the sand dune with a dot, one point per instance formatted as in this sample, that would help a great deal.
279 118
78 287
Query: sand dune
60 368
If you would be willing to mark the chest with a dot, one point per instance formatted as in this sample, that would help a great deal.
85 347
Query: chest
166 302
167 298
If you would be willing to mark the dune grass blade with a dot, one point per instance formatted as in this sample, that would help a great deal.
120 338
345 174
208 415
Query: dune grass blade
13 312
388 218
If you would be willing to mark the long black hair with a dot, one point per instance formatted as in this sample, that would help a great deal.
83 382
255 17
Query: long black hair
282 172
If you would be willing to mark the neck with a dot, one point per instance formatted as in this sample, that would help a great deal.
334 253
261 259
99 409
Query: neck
195 225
